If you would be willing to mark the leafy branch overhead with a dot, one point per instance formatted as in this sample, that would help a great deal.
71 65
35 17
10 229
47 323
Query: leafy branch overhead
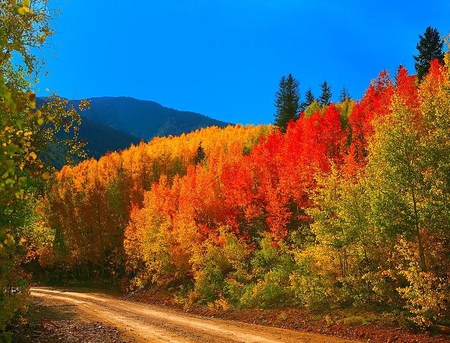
25 133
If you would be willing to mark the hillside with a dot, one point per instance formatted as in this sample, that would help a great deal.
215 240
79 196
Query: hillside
113 124
145 119
102 138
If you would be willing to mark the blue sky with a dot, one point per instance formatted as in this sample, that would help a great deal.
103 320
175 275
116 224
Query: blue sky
225 58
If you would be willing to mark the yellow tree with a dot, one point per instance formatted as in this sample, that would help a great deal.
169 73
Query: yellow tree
408 188
22 26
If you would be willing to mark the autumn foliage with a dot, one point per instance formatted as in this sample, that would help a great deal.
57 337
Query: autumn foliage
348 207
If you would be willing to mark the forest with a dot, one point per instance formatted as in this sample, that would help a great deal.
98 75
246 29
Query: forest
349 207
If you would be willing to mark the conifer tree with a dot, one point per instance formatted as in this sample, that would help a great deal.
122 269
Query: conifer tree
200 155
309 99
325 97
287 102
345 95
430 47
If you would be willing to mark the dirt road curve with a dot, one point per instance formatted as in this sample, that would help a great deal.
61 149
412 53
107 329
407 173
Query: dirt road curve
149 323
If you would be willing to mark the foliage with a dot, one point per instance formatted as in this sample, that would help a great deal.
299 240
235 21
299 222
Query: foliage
25 134
309 99
287 102
429 47
425 293
325 97
271 267
21 28
345 95
347 206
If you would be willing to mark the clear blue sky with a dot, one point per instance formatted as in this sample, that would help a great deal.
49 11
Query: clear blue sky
225 58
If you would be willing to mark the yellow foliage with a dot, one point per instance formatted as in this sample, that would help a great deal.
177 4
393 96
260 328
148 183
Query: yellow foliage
23 10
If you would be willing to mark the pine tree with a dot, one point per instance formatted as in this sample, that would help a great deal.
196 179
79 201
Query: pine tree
287 102
309 99
345 95
430 47
200 155
325 97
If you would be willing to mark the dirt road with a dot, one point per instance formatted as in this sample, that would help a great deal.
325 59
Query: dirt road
150 323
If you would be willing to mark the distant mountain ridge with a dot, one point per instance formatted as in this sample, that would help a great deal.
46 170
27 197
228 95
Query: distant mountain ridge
145 119
114 123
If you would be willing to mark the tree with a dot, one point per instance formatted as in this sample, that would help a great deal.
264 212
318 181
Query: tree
200 155
430 47
25 134
18 26
325 97
287 102
309 99
345 95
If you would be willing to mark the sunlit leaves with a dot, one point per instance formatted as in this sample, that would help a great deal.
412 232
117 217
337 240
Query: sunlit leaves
349 206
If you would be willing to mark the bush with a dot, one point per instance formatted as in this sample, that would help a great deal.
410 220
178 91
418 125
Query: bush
220 269
266 294
5 337
272 265
426 295
314 280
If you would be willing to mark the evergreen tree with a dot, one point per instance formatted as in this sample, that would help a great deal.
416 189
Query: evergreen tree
309 99
345 95
325 97
287 102
200 155
430 47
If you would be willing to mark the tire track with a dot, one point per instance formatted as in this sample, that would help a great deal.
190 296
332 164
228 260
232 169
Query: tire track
149 323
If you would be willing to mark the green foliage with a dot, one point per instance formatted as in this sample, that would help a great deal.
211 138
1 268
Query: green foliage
325 96
309 99
200 155
6 337
313 281
342 228
429 47
287 102
61 129
272 265
345 95
220 270
24 135
13 281
426 294
312 108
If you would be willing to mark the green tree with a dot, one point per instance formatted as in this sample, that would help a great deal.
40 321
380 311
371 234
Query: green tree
325 97
429 47
200 155
309 99
409 190
342 230
287 102
24 134
345 95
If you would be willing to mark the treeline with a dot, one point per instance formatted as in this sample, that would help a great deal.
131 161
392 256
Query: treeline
348 207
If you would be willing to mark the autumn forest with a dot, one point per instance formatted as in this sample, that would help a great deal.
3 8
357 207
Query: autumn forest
349 207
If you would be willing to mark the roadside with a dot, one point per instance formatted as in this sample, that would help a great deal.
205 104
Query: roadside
50 321
347 325
150 323
80 315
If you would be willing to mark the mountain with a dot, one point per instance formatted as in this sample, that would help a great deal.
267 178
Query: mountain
114 123
145 119
100 138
